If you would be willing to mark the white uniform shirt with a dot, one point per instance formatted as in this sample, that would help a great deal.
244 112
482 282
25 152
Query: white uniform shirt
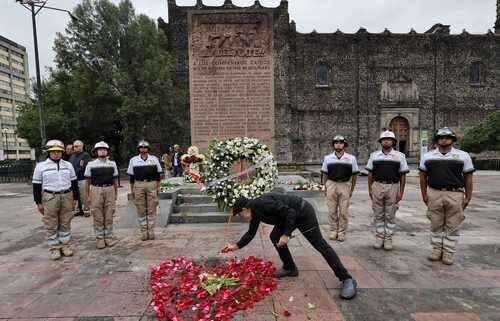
446 170
54 176
387 167
98 163
340 169
101 172
147 165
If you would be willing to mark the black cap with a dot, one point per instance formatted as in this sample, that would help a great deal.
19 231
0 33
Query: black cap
339 138
240 204
445 132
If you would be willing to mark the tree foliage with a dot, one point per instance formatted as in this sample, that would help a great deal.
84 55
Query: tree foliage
485 136
113 81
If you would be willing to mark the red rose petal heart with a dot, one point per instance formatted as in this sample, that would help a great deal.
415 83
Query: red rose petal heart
177 293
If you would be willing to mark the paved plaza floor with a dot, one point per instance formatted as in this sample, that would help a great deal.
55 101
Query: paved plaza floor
113 284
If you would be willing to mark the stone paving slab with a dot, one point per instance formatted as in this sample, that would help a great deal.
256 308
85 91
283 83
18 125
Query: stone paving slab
112 284
446 317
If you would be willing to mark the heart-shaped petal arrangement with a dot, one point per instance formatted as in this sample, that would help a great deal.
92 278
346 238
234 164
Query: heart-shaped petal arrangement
182 290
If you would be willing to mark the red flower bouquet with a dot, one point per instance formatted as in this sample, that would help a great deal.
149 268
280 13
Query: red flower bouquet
182 290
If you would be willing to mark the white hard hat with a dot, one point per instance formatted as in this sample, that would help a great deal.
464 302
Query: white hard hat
54 145
387 134
143 143
101 144
78 143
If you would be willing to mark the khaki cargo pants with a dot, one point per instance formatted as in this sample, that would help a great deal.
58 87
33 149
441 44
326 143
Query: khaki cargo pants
146 201
445 210
57 218
338 197
384 209
102 208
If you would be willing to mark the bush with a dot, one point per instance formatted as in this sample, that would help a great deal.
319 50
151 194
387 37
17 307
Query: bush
485 136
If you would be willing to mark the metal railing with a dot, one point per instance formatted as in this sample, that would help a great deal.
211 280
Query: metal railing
16 171
487 164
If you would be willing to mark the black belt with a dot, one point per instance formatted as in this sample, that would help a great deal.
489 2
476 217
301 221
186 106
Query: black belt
61 192
387 181
102 185
146 180
450 189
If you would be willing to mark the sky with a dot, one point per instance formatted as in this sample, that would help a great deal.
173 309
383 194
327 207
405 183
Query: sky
476 16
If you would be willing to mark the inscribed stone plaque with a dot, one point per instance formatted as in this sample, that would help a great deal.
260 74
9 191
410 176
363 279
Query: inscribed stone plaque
231 76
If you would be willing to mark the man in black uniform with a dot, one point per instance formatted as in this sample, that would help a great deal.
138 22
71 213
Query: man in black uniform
287 213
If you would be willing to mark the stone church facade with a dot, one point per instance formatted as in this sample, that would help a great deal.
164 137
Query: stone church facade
356 84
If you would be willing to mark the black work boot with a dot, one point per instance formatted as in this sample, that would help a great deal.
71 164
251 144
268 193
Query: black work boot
281 273
349 287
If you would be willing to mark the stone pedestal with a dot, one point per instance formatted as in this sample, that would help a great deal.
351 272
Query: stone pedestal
231 77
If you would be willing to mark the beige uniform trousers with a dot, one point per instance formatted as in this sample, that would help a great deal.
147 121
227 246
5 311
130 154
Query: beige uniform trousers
146 201
338 197
384 209
445 210
102 208
57 218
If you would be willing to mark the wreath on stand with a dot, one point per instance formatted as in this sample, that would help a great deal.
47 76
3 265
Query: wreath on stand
238 167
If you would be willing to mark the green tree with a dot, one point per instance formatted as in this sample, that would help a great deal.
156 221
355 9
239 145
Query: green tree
151 99
485 136
56 123
114 80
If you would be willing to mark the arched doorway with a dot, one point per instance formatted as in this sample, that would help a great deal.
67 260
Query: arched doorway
401 128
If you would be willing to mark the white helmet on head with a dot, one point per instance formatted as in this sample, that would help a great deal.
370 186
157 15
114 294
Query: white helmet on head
54 145
387 134
143 143
101 144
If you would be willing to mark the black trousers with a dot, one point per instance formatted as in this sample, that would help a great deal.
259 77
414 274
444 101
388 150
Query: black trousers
177 171
307 223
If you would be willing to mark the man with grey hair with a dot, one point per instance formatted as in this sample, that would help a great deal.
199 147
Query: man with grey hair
79 159
176 161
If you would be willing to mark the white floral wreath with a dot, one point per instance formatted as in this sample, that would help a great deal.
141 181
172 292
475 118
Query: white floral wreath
218 167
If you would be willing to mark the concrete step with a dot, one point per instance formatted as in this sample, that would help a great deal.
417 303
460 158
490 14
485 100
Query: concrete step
196 208
186 191
193 199
191 191
204 217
